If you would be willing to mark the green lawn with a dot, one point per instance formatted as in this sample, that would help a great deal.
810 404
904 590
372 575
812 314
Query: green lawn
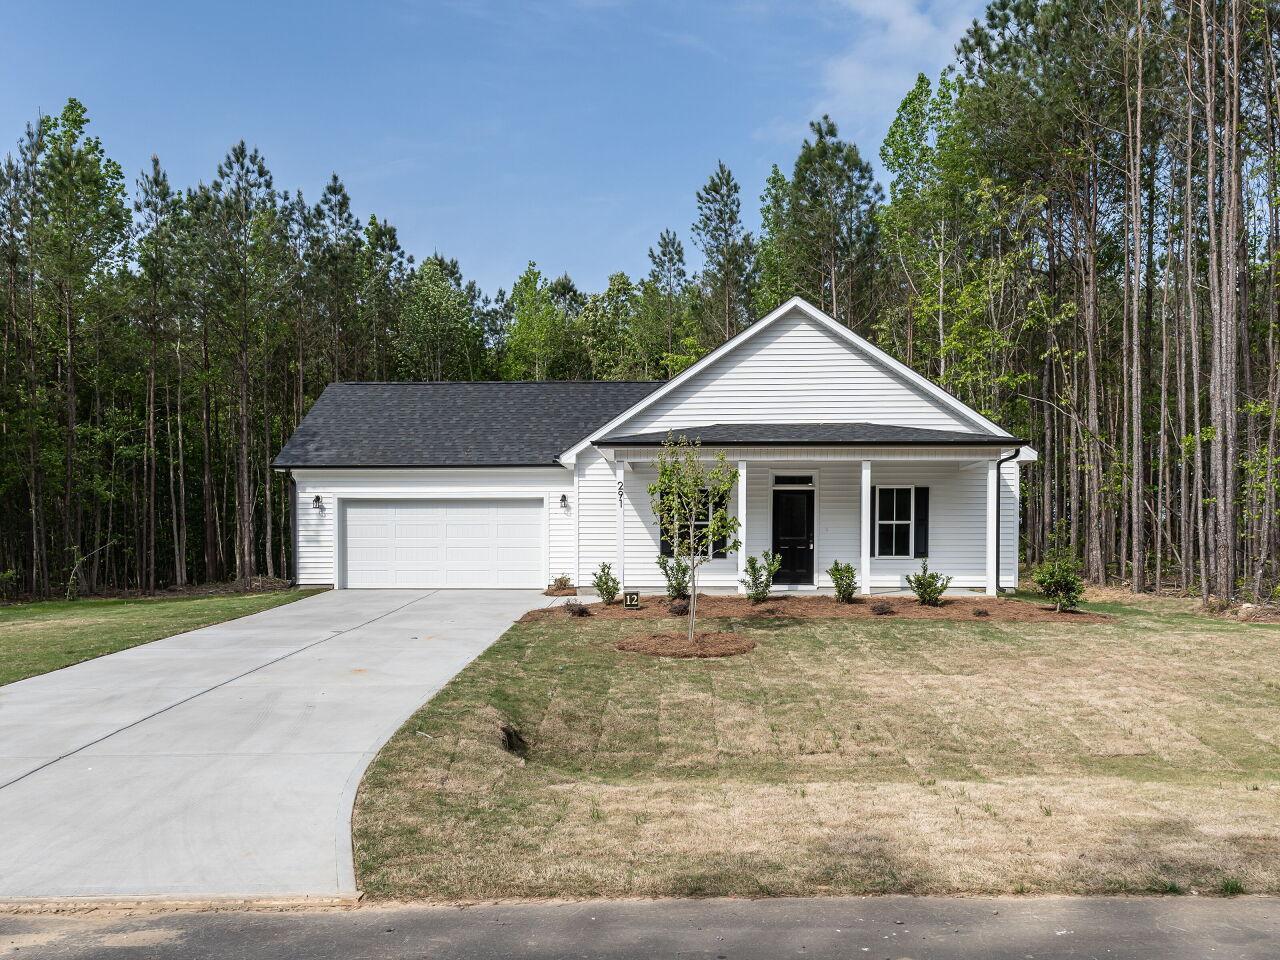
38 637
865 756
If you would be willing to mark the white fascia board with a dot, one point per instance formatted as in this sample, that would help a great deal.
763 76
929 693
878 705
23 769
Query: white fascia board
873 352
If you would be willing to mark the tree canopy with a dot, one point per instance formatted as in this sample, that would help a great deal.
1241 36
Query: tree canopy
1077 234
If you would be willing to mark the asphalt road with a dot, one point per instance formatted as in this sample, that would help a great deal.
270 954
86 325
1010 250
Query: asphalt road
1171 928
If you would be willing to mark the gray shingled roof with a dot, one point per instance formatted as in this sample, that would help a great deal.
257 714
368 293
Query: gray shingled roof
809 434
453 424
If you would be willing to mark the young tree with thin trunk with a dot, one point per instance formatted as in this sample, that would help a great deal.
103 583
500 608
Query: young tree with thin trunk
690 500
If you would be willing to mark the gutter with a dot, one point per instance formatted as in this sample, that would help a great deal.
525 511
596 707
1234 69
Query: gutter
999 511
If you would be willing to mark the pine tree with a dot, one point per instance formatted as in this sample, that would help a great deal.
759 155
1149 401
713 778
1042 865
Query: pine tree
729 272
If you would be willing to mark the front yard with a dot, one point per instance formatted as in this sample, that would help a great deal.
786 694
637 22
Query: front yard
38 637
869 755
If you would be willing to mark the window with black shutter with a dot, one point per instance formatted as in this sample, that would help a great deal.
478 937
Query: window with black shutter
717 550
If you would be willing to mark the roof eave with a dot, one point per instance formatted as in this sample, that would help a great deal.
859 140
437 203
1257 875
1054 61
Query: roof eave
414 466
966 442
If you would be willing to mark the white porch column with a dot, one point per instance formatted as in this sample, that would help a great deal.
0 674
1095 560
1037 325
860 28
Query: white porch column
620 563
864 540
993 523
742 524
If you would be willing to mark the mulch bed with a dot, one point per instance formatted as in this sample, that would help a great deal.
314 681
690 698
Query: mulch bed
564 592
823 607
678 645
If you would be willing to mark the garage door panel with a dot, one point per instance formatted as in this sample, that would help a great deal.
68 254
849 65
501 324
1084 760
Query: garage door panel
367 557
470 557
370 531
479 512
517 532
445 543
418 556
522 558
429 531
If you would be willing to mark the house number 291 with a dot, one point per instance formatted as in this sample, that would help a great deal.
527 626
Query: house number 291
619 493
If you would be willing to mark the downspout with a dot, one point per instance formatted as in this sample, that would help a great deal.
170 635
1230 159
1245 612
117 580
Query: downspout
1000 511
293 533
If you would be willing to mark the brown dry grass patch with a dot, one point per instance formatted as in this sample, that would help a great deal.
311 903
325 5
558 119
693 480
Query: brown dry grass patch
823 607
1138 753
680 645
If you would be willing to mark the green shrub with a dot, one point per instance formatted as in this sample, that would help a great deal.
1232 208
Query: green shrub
1059 579
759 575
676 572
845 579
606 584
1230 887
928 587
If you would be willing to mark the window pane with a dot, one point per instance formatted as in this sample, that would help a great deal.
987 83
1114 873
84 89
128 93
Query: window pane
719 549
886 503
904 504
805 480
884 545
902 540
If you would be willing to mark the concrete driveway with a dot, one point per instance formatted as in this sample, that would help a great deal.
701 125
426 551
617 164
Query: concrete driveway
224 761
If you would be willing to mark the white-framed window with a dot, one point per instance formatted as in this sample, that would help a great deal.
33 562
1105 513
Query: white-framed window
894 526
715 551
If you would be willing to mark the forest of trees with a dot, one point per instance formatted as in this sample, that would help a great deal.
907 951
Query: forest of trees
1078 234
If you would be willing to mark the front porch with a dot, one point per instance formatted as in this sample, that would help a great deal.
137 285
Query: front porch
885 510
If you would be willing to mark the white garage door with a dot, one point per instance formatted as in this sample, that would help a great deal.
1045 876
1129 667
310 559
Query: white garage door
444 543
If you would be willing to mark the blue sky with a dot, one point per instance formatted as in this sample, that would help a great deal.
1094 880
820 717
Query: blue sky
570 132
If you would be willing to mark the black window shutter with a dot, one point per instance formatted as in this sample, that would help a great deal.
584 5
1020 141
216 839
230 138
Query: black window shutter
921 517
875 521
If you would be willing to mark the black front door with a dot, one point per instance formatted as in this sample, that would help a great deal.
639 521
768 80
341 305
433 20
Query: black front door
793 535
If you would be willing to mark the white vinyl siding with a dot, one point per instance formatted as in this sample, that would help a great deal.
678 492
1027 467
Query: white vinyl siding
598 513
316 528
795 372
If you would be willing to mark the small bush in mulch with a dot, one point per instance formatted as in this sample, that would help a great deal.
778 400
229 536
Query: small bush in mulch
561 586
679 608
575 609
678 645
882 608
981 612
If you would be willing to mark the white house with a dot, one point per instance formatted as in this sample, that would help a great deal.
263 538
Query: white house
843 453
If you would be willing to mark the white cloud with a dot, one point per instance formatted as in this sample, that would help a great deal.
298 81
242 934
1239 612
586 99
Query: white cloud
890 42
